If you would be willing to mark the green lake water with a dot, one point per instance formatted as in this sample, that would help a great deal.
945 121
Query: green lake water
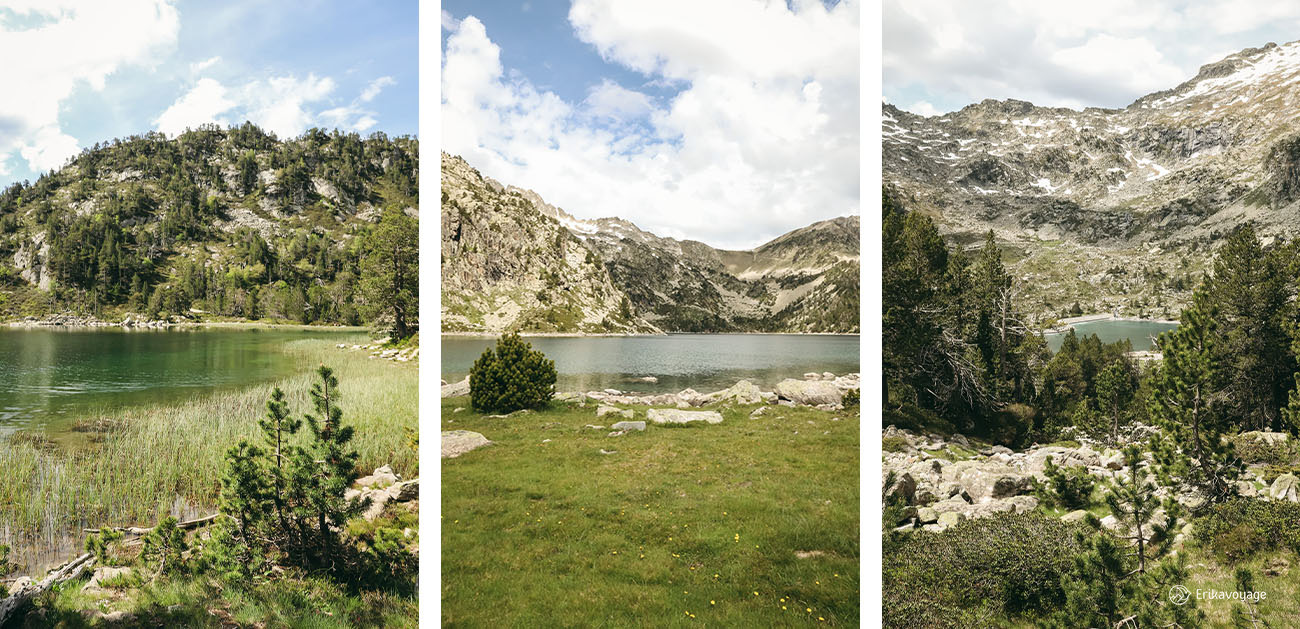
48 376
704 362
1139 333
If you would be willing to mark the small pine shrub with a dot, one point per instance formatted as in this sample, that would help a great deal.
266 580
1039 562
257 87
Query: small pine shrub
511 377
1004 564
1068 487
165 547
852 398
894 444
1238 529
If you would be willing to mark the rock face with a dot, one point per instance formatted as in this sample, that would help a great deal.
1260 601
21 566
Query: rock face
676 416
1286 487
456 389
503 247
809 392
1170 171
458 442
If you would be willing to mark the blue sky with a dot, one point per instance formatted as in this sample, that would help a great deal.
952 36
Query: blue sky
98 70
729 121
940 56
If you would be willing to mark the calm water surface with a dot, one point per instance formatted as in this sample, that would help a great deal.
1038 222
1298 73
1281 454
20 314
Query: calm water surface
49 375
1139 332
705 362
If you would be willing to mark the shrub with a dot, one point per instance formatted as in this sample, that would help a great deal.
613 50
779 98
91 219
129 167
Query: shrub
894 444
917 419
1068 487
852 398
1271 472
1004 564
1238 529
512 377
1254 449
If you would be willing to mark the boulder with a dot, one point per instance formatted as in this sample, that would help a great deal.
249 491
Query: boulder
103 573
1266 438
677 416
1075 516
951 504
456 389
826 375
809 392
760 411
743 392
1286 487
984 479
406 491
626 426
812 375
604 410
382 477
1114 462
926 515
458 442
950 518
1023 504
905 488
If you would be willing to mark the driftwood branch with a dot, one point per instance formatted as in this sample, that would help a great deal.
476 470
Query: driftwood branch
136 530
65 572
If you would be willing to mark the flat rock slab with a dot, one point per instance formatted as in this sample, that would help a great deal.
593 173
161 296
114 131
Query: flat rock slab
678 416
625 426
456 389
458 442
809 392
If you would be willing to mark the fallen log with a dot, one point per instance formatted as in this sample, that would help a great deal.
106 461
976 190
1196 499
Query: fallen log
136 530
32 589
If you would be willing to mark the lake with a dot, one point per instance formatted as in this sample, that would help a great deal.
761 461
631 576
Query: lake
1110 331
49 376
704 362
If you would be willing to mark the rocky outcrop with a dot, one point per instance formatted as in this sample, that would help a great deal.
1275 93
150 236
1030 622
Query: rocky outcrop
1285 487
456 389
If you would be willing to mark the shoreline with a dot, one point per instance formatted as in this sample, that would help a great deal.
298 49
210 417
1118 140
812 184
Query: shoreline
91 324
490 335
1063 325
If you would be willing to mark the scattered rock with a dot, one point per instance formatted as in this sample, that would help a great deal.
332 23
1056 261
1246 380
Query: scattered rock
382 477
458 442
103 573
676 416
626 426
618 433
604 410
950 518
926 515
1277 567
595 427
812 375
1286 487
760 411
809 392
1077 515
809 554
456 389
604 451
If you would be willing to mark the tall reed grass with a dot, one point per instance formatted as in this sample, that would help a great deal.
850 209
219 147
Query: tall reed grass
147 462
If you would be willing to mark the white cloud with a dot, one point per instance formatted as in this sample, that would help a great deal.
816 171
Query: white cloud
611 100
279 104
923 108
199 66
1103 53
761 139
201 105
449 23
372 90
79 42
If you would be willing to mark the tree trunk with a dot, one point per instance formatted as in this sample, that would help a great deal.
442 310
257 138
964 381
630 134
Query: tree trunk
66 572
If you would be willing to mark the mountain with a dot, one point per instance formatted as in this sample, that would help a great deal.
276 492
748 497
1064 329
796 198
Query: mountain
1117 208
232 222
511 261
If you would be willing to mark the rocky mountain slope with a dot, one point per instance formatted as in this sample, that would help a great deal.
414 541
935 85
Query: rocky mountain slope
232 222
549 271
1137 195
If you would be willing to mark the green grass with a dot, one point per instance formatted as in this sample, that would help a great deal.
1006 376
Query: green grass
678 522
149 461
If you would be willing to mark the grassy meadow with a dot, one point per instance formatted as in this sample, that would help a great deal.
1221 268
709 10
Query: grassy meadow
752 522
136 465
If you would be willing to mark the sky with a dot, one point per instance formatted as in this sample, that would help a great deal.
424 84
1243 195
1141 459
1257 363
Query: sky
77 72
940 56
730 122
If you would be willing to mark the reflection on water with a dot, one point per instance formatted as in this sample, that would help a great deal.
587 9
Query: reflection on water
1138 332
48 374
705 362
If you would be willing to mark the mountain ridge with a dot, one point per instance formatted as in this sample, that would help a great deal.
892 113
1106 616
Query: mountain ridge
668 284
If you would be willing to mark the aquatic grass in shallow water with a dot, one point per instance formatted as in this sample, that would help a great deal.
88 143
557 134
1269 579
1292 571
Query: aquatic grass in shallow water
166 459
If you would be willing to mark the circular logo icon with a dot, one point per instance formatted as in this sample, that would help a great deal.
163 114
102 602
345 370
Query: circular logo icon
1179 595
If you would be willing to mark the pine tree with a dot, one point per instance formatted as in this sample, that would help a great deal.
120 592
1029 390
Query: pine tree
245 495
327 467
1114 390
166 545
510 377
277 427
1191 447
390 271
1134 504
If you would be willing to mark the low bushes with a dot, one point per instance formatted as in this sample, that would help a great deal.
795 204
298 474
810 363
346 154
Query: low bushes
1006 564
917 419
512 377
1234 531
